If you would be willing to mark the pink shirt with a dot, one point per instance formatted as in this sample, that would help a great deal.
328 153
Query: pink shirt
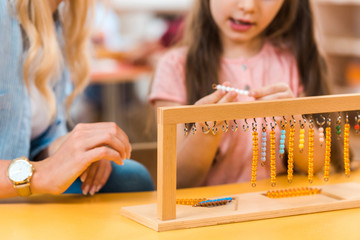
234 158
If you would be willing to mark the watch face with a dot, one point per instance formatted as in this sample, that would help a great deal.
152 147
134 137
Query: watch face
20 170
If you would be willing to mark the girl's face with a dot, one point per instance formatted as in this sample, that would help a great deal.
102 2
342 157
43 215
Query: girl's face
241 21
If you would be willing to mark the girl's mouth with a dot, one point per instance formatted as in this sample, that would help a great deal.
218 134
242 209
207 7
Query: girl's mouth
240 25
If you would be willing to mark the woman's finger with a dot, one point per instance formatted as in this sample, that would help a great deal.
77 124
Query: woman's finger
99 153
112 137
101 177
88 183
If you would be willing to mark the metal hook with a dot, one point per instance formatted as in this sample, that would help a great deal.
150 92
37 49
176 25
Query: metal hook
283 125
208 128
186 129
266 124
329 120
247 126
292 122
322 122
226 127
214 129
304 118
338 121
275 123
346 118
311 122
193 128
236 126
254 125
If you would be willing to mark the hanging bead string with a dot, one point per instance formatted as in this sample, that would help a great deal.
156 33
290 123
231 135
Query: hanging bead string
311 151
291 150
321 129
338 126
282 137
346 146
272 157
302 135
230 89
327 150
255 154
190 201
214 202
357 124
263 143
292 192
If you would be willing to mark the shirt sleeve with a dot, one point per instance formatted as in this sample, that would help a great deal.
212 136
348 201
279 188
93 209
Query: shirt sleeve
169 79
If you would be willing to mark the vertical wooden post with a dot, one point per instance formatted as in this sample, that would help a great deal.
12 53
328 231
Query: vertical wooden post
166 176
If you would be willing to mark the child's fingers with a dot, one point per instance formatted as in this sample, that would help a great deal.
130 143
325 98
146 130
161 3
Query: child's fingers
229 97
211 98
269 90
281 95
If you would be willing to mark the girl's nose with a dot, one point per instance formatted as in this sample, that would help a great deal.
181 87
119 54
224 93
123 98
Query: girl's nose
247 5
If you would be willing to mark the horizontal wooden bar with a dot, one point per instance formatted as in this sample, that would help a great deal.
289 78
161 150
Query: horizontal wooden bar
241 110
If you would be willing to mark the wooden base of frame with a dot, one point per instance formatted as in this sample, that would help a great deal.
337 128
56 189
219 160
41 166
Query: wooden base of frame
249 206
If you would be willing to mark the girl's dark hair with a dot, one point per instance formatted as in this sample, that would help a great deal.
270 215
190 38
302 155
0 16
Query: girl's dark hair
292 28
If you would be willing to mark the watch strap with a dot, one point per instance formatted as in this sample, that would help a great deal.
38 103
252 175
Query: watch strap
23 189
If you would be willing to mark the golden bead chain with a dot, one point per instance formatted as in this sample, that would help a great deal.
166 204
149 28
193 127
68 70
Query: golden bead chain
272 158
346 147
292 192
311 155
255 156
327 152
291 153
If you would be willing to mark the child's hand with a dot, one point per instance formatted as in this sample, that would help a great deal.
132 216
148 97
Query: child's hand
219 96
272 92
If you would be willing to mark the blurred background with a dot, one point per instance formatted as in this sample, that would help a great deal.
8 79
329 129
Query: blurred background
130 37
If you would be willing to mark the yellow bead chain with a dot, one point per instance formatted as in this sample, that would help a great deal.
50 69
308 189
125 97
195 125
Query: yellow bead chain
190 201
311 155
346 149
291 154
292 192
327 153
302 138
272 158
255 157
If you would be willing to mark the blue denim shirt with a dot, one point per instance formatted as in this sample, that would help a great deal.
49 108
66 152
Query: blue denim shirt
15 108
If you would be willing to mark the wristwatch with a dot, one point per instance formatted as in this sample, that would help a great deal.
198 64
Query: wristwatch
20 172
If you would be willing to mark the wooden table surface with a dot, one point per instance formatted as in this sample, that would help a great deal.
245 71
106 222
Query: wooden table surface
98 217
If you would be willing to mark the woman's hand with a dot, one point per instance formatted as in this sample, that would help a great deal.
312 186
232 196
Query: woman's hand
95 177
271 92
86 144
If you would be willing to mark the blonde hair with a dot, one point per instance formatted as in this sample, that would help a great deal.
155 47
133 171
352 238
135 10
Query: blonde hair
44 59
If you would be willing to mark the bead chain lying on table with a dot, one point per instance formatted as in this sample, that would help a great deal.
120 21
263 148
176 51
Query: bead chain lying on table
292 192
190 201
230 89
214 202
204 202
